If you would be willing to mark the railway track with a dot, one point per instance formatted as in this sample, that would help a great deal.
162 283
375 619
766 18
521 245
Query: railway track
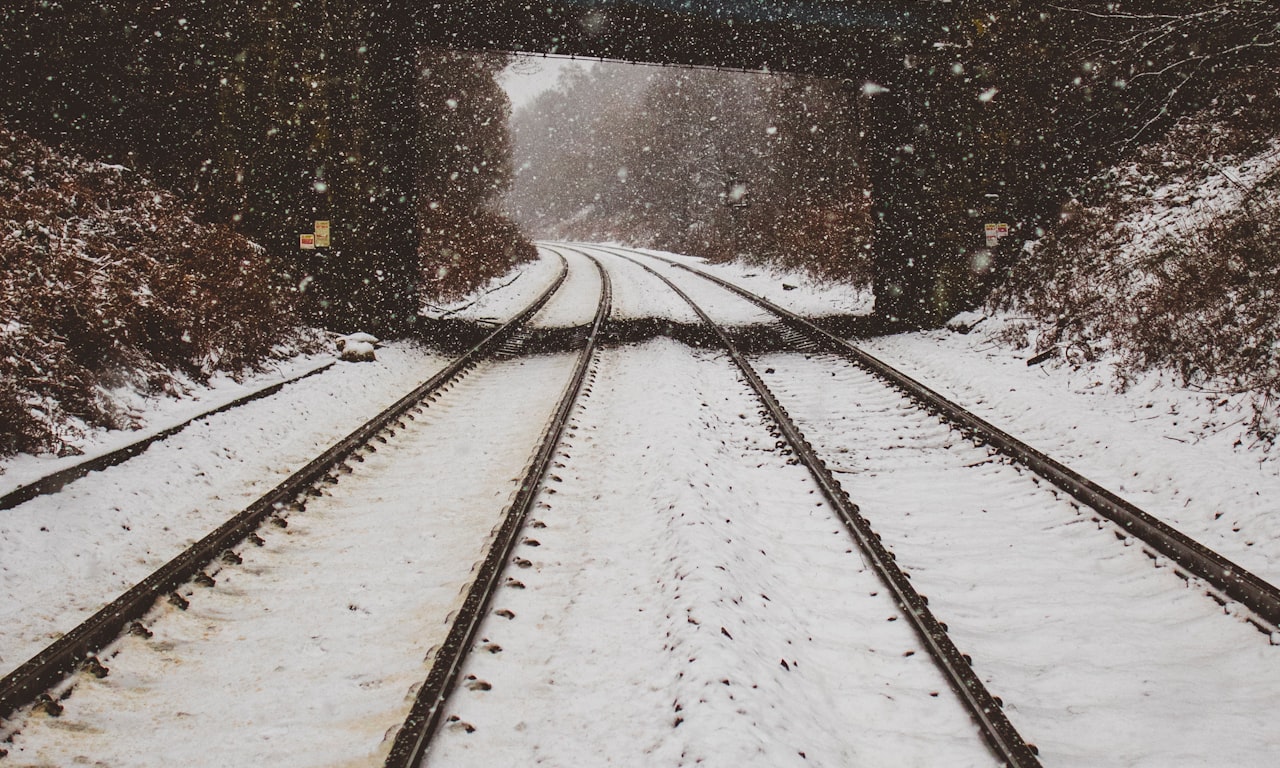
42 681
1225 580
424 719
715 598
986 710
826 388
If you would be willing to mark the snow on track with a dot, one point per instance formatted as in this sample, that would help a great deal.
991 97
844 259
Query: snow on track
574 305
637 295
64 556
315 644
1143 445
799 292
727 308
1101 658
690 599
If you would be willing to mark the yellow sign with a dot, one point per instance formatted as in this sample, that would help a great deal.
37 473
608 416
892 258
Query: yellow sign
307 242
322 234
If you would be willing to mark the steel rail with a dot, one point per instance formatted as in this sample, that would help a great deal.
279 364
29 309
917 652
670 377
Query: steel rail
987 711
25 684
56 481
414 737
1227 580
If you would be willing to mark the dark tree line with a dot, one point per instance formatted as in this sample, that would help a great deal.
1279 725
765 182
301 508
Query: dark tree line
716 163
273 114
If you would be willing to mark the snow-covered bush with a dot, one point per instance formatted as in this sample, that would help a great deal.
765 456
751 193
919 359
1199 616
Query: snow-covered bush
1173 261
105 281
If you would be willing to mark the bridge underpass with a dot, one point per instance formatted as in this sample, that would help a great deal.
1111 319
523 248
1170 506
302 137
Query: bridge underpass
933 191
931 254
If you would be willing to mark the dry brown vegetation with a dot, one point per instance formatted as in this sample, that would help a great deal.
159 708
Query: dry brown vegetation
107 280
1172 261
460 253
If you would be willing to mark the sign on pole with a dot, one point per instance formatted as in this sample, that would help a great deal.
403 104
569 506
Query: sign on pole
994 232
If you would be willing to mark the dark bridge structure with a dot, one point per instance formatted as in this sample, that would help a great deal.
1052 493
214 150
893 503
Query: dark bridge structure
830 38
923 112
957 134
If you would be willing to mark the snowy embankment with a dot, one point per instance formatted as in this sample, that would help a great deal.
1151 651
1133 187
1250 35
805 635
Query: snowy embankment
155 415
112 286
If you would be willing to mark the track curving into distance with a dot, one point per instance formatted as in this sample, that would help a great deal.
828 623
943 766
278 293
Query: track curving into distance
1223 578
76 649
1133 662
414 736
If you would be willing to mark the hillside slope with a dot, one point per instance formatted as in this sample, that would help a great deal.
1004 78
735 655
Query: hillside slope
109 282
1170 262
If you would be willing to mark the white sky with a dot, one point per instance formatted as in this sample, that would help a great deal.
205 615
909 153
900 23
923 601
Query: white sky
529 76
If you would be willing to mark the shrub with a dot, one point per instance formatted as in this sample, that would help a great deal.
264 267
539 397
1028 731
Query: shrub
106 281
460 252
1175 262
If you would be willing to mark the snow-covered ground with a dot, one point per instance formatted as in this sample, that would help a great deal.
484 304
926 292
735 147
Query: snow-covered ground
684 596
308 653
1180 454
157 414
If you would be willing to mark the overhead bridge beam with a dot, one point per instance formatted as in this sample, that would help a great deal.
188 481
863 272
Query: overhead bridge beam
833 38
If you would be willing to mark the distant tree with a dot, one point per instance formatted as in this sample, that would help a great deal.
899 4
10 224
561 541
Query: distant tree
572 160
719 164
463 167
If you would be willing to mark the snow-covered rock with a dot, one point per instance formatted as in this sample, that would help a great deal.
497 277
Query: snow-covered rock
357 347
965 321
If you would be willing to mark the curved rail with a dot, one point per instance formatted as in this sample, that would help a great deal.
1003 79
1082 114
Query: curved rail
414 737
1227 580
26 683
999 733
